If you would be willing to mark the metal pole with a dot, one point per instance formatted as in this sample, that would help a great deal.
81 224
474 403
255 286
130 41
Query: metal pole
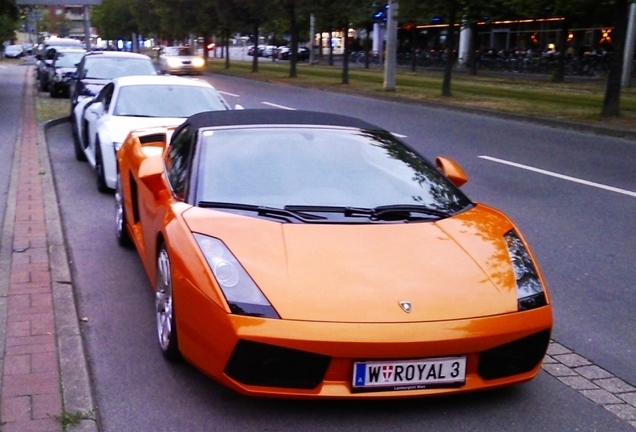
391 46
87 28
628 55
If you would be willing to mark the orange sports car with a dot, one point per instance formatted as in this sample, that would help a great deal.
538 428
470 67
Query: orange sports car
308 255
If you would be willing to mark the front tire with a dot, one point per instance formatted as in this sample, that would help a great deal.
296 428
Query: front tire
77 147
123 238
99 169
164 307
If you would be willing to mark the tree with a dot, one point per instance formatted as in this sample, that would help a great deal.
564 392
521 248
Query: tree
114 19
9 16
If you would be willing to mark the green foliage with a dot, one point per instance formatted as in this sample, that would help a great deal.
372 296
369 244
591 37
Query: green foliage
114 19
9 20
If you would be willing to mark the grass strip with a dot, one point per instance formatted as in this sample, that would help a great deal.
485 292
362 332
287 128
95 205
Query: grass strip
536 96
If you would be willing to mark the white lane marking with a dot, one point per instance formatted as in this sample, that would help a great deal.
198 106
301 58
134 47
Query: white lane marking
228 93
278 106
399 135
561 176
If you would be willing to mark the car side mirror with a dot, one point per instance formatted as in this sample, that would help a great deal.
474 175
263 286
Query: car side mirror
452 170
96 108
151 174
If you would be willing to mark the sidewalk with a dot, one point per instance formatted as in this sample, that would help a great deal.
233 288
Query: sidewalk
44 380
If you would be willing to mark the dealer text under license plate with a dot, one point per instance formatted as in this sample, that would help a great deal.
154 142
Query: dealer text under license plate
409 374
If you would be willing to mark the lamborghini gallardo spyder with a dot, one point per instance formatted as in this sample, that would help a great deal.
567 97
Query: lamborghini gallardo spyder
309 255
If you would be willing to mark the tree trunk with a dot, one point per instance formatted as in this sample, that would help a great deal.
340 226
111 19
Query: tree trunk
345 55
450 48
255 56
611 104
413 48
227 48
367 46
293 59
559 73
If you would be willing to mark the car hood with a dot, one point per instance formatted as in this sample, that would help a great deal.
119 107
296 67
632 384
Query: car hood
457 268
118 127
90 87
65 70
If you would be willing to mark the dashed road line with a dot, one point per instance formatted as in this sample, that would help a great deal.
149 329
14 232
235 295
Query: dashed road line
592 381
561 176
278 106
228 94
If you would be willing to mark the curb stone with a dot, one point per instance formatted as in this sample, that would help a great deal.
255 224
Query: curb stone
75 382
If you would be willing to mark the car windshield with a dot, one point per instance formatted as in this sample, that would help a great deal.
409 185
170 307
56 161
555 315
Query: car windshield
183 51
68 59
317 166
101 67
175 101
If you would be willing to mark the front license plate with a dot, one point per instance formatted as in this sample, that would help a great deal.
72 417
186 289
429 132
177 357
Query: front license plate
409 374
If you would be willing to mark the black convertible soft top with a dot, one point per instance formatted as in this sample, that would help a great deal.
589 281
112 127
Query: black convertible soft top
250 117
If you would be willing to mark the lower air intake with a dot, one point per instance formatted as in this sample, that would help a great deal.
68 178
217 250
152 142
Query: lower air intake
255 363
515 357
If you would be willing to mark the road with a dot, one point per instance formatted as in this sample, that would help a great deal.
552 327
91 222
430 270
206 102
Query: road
581 233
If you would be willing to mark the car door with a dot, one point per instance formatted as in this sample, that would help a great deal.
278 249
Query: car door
155 214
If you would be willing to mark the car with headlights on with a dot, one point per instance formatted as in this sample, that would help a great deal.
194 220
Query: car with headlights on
180 60
97 68
131 102
310 255
62 71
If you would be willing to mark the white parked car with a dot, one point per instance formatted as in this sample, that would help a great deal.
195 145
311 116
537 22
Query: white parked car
133 102
13 51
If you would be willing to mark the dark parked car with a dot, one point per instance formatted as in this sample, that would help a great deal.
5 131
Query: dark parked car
45 54
285 53
62 71
98 68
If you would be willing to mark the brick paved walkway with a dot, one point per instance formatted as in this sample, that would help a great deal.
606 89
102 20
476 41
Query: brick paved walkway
39 373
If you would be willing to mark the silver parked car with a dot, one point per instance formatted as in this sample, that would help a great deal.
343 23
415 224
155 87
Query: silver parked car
180 60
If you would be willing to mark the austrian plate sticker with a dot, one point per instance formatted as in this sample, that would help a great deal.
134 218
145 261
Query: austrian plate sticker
409 374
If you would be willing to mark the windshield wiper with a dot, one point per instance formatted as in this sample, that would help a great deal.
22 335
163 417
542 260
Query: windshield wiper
383 213
274 212
409 209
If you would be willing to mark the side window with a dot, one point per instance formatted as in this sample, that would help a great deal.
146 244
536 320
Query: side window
50 54
107 95
80 69
178 162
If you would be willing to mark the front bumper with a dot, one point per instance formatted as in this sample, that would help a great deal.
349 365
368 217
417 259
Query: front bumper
315 360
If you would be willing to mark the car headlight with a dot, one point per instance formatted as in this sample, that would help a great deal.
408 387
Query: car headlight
240 291
174 62
198 62
530 293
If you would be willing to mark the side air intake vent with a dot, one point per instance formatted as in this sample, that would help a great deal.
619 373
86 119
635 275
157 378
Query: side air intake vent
152 138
